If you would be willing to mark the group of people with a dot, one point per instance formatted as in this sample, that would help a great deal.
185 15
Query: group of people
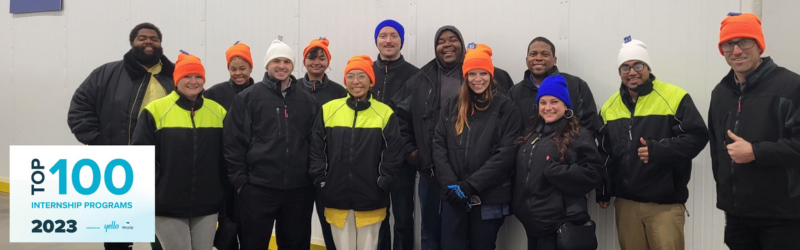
253 156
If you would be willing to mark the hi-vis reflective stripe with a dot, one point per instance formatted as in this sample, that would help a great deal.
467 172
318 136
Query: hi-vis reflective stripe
336 113
167 114
664 100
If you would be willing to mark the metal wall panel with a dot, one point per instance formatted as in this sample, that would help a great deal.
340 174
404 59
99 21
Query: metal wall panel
45 56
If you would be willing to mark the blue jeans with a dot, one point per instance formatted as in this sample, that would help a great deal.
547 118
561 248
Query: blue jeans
430 204
402 207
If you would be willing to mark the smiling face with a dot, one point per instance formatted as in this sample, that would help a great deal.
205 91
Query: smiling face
551 108
449 48
540 59
633 78
191 85
240 71
743 61
280 68
389 43
479 80
358 84
316 62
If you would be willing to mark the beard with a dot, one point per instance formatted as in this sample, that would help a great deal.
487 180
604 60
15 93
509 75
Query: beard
144 58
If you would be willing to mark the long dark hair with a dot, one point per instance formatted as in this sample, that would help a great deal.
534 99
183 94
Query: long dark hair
465 103
562 137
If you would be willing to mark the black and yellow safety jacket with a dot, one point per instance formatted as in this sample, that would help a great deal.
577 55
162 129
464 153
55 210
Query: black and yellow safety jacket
362 154
189 164
666 118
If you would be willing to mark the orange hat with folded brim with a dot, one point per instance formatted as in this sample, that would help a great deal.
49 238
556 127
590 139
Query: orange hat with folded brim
745 25
478 58
362 62
322 43
187 64
239 50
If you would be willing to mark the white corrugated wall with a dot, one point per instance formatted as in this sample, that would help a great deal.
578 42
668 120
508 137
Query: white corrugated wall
45 56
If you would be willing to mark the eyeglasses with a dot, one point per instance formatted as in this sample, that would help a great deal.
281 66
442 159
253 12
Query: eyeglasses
625 69
743 45
362 77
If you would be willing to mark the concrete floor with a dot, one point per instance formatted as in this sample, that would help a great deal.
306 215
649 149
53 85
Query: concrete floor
4 235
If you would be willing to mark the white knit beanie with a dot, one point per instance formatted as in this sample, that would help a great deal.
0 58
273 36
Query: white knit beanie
633 50
278 49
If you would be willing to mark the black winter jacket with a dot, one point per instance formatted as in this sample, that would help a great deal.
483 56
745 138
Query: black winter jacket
363 153
224 92
548 192
483 154
324 91
104 109
267 136
666 118
189 163
767 114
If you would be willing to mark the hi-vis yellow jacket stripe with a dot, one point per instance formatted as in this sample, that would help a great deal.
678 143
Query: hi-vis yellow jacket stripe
336 113
167 114
664 100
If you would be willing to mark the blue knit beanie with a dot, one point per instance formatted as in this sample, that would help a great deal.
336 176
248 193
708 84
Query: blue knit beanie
554 86
394 24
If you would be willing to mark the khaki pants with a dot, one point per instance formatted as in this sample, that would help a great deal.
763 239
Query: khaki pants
650 226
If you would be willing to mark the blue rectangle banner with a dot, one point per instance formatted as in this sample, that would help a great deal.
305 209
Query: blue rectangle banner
27 6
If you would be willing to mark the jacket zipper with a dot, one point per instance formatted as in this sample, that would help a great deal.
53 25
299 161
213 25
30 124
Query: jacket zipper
736 131
130 115
530 158
278 115
352 140
386 77
286 126
194 161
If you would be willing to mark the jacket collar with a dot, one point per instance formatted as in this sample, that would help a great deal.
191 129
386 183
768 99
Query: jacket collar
644 89
546 129
275 86
239 88
314 85
187 104
752 79
528 77
358 105
385 64
136 71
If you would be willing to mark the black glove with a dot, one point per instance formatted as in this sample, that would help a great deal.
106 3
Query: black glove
452 198
467 189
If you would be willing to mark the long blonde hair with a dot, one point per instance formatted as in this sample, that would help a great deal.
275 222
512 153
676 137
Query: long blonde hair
465 103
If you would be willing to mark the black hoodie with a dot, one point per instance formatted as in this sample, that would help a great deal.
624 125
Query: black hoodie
267 136
418 102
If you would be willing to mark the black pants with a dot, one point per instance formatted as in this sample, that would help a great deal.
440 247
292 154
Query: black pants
540 242
259 208
745 233
462 230
402 207
326 228
117 246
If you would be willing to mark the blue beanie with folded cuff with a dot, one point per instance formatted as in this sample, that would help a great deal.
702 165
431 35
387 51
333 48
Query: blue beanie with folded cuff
394 24
554 86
